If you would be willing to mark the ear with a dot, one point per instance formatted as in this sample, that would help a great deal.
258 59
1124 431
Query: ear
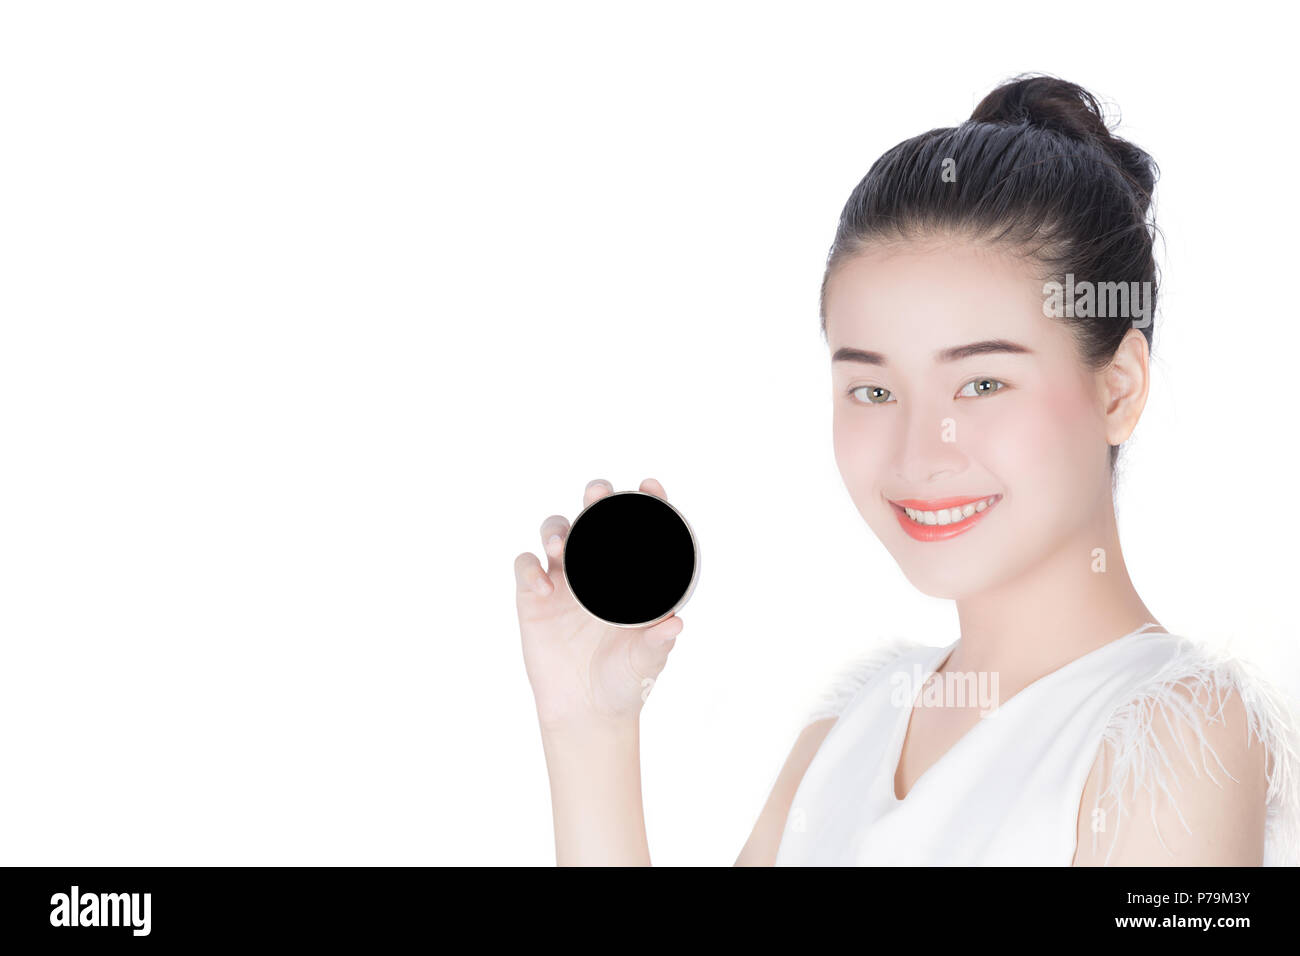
1124 384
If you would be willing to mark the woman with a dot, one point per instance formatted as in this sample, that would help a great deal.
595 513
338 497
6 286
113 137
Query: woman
988 305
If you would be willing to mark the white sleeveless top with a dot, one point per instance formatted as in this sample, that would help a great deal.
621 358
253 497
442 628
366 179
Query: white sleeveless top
1008 792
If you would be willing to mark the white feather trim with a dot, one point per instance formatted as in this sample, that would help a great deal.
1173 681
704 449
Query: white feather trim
851 677
1179 693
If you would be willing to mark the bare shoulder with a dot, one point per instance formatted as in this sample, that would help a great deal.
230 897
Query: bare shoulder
765 839
1181 779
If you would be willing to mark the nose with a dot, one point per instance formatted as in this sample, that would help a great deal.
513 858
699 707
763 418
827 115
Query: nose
927 448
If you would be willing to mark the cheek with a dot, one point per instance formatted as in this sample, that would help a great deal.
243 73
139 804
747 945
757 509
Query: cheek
853 446
1051 443
841 439
857 455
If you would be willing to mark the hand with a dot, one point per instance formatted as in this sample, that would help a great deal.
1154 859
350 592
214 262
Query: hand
584 673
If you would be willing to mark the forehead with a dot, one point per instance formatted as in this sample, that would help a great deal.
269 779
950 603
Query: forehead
919 297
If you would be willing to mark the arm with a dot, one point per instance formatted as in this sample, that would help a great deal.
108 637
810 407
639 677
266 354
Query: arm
589 681
760 849
1206 822
595 776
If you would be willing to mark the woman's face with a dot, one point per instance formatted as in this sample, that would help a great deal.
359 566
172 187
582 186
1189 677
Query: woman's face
919 424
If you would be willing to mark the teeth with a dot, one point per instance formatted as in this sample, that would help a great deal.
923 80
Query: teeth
950 515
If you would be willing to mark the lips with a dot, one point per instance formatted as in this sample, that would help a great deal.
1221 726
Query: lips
935 504
954 525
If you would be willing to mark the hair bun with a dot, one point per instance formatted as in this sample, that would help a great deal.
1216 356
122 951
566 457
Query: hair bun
1054 104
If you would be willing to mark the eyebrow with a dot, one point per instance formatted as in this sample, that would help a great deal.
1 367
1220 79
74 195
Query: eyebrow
943 355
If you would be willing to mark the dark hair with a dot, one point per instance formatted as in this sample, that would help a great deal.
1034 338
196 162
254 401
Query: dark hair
1037 170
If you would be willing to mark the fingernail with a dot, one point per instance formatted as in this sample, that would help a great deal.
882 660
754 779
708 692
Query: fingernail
552 542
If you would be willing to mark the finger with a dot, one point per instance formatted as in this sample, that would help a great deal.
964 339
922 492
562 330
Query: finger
665 632
596 490
555 530
651 486
529 576
648 654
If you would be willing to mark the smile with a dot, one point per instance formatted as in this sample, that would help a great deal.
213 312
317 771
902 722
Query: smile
941 518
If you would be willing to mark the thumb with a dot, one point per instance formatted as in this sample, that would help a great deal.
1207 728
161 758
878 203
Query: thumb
650 648
664 632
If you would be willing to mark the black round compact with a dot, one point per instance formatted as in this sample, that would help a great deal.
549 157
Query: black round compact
631 559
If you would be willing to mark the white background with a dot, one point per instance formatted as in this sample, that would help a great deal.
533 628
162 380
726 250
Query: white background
312 312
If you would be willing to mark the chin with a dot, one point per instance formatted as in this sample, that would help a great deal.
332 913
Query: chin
945 569
953 584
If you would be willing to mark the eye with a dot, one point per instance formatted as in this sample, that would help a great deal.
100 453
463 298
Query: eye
875 395
982 386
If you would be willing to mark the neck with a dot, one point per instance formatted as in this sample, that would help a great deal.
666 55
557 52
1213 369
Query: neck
1061 607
